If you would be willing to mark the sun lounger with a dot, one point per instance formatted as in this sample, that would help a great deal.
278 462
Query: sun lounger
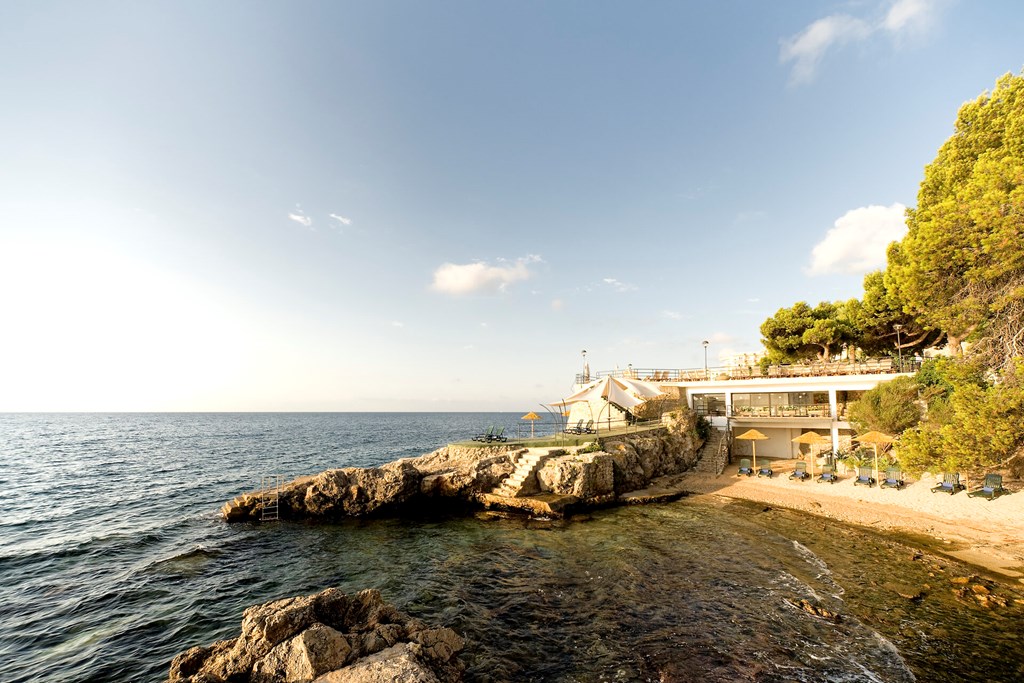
800 472
500 436
864 477
827 474
578 429
745 468
764 471
950 484
486 436
589 429
992 487
893 479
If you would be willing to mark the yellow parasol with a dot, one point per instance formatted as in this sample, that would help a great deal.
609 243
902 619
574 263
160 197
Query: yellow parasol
753 436
812 439
875 438
531 416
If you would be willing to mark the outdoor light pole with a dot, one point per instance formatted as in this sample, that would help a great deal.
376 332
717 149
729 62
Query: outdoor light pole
586 373
705 343
899 348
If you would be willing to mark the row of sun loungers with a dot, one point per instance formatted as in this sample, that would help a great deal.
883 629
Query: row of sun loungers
580 429
992 487
491 435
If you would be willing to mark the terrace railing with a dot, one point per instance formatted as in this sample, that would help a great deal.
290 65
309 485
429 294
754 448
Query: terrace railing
872 366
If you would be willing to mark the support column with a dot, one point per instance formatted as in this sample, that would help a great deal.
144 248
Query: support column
833 408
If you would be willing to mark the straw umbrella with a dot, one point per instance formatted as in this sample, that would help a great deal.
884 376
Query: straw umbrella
753 436
875 438
532 417
811 439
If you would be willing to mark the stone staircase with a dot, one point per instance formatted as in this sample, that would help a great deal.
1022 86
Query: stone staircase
526 465
714 454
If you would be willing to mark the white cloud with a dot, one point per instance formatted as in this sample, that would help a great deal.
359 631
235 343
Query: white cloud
619 286
396 323
340 219
859 239
908 15
672 315
452 278
301 218
807 48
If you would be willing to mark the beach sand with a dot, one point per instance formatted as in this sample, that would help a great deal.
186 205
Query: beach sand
987 534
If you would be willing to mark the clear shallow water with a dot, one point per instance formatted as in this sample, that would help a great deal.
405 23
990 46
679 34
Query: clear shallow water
113 560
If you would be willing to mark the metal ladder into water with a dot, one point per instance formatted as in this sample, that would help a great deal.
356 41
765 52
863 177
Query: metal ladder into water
270 494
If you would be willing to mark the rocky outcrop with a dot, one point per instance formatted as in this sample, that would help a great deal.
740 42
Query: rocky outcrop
329 637
471 475
448 473
587 476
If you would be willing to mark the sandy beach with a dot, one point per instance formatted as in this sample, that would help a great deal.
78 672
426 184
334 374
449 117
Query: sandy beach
988 534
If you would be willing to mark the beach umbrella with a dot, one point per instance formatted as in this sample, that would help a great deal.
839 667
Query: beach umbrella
875 438
753 436
811 439
532 417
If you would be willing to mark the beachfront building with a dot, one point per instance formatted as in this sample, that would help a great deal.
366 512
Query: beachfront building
783 402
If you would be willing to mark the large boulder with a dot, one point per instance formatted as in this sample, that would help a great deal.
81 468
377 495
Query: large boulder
357 492
588 476
297 640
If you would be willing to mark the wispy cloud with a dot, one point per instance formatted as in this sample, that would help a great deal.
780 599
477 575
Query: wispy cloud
397 323
808 48
619 286
453 278
858 241
341 219
301 218
672 315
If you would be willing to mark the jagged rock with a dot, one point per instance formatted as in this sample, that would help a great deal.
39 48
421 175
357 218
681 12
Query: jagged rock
357 492
296 640
313 652
630 464
397 664
585 476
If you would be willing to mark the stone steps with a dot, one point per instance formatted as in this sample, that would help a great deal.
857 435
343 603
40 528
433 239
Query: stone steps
526 467
711 458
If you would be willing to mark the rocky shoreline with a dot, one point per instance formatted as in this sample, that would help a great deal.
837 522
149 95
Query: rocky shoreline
329 637
539 481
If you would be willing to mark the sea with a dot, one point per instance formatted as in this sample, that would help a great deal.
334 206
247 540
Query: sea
113 559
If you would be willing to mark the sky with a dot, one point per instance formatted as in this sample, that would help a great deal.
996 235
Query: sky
437 206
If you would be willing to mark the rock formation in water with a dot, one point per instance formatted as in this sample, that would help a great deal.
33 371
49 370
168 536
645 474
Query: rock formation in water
470 475
329 637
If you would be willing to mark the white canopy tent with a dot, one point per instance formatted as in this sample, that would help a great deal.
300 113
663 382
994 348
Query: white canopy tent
620 392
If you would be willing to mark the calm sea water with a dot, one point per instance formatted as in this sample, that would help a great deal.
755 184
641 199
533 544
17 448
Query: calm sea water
113 560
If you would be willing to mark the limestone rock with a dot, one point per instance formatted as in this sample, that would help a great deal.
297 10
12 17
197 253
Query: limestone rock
588 476
397 664
313 652
296 640
357 492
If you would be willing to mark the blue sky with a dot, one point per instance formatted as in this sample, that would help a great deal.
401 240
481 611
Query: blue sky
437 206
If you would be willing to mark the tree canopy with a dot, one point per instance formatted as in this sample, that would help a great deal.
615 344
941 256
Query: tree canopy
804 333
960 268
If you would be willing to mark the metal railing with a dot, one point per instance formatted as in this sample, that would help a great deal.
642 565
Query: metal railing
818 410
873 366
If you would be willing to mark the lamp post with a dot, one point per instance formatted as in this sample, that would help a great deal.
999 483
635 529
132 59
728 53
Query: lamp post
899 348
705 343
586 368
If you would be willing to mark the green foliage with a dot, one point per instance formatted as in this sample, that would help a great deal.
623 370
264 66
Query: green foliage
960 268
973 426
592 447
802 333
703 427
891 407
